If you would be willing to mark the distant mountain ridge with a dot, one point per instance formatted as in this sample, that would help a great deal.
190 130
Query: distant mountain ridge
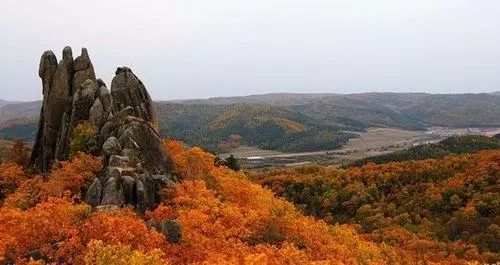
284 99
7 102
294 121
19 110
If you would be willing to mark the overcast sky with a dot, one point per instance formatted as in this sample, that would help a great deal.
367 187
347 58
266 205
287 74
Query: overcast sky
207 48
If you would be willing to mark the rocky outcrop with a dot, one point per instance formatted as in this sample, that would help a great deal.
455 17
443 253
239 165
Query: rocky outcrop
47 70
83 70
65 103
128 90
135 166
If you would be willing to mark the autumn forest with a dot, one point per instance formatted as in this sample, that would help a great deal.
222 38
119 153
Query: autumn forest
417 212
256 132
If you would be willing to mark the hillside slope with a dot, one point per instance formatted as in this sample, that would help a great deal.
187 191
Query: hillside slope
225 219
270 127
293 122
430 205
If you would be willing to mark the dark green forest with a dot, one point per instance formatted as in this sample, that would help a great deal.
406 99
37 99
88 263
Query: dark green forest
451 145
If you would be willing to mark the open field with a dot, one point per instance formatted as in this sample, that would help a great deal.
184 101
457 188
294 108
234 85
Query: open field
375 141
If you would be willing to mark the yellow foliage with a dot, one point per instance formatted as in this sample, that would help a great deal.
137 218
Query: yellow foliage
83 139
99 253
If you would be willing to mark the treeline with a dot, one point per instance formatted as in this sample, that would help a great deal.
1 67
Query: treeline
22 131
451 145
450 204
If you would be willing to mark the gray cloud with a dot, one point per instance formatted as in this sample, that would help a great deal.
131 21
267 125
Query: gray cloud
200 48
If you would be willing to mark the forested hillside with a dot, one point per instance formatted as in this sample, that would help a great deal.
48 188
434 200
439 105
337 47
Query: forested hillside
451 145
410 110
447 205
292 122
433 211
224 218
220 127
19 120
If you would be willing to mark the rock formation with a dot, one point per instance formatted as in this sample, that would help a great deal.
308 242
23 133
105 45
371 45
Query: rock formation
135 166
65 103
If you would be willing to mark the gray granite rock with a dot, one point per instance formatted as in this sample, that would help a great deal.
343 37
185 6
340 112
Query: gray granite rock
113 193
93 195
172 230
111 147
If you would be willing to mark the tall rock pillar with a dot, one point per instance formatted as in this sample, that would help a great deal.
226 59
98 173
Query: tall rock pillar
62 97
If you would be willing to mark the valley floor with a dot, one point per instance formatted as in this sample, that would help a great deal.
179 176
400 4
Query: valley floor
375 141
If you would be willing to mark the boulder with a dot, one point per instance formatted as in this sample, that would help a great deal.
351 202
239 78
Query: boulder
134 155
112 193
141 136
119 161
112 125
105 97
172 230
113 172
93 195
129 189
83 100
142 203
111 147
97 115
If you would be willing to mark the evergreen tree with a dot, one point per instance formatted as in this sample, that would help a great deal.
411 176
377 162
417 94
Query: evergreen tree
232 163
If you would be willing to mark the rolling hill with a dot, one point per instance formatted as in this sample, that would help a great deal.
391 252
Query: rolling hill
218 127
406 110
3 102
19 120
291 121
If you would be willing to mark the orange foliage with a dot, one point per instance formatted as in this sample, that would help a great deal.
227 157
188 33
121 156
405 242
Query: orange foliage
68 179
11 174
434 210
239 222
44 228
72 175
60 231
20 153
189 163
122 226
227 219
